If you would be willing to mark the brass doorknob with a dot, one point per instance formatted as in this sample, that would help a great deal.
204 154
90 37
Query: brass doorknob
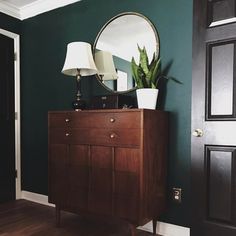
197 133
67 120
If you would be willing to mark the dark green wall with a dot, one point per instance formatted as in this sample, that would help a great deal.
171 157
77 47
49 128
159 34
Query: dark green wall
44 88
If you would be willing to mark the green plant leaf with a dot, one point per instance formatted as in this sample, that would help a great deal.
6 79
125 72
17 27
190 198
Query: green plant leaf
148 75
173 79
136 73
143 61
153 86
145 82
153 61
154 73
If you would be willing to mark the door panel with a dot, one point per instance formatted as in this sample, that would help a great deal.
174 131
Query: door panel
214 112
7 120
126 183
58 179
126 208
220 169
219 10
100 180
78 176
220 80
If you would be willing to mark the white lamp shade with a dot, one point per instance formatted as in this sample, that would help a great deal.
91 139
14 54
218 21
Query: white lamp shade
105 65
79 57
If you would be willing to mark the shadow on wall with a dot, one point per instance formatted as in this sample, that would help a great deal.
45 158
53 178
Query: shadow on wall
162 86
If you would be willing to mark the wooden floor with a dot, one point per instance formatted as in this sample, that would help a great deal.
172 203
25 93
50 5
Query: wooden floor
24 218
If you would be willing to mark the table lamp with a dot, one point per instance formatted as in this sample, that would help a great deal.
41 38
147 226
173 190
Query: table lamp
79 62
105 65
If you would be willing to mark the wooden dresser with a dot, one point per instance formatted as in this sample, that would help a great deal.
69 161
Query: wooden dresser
109 162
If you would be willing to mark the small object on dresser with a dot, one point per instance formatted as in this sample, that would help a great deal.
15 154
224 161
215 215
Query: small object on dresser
114 101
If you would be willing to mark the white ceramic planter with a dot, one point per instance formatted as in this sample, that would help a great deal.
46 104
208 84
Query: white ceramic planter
147 98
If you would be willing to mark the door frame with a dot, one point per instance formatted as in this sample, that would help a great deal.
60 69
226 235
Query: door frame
16 39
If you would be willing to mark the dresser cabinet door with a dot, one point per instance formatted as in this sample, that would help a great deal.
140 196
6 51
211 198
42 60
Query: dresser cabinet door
100 187
126 183
58 178
78 177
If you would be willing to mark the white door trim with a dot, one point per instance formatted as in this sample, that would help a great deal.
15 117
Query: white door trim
16 38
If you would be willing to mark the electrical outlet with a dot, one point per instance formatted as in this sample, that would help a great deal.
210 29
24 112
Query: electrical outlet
177 195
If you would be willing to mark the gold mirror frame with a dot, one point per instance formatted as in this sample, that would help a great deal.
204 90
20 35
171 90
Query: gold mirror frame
157 44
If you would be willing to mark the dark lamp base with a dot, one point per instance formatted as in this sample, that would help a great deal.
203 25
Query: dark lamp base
78 105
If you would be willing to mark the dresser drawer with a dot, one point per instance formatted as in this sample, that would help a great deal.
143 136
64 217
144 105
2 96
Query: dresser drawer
106 137
68 136
115 137
59 120
95 119
105 120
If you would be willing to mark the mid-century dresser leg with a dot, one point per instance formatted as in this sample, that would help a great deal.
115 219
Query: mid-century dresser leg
58 216
132 230
154 226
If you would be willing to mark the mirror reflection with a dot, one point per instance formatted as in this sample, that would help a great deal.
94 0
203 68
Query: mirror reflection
115 46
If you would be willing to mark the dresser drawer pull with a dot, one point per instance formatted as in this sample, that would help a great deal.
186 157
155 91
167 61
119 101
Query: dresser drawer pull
112 120
67 134
113 135
67 120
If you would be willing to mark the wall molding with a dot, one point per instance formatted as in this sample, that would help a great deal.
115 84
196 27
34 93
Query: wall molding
42 6
33 9
164 229
10 10
16 39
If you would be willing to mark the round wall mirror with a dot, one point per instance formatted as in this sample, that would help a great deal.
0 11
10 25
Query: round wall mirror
116 44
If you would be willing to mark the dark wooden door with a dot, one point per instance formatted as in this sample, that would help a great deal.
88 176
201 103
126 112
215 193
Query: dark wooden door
214 118
7 120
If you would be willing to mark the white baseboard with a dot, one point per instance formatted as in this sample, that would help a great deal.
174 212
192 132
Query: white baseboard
166 229
35 197
163 229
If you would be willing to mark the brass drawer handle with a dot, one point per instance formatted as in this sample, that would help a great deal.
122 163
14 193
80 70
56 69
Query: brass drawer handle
112 120
67 134
113 135
67 120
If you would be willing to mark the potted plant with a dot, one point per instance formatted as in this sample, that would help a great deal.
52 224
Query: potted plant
147 77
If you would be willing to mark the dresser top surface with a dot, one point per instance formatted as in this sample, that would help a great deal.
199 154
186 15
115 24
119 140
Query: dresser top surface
110 110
